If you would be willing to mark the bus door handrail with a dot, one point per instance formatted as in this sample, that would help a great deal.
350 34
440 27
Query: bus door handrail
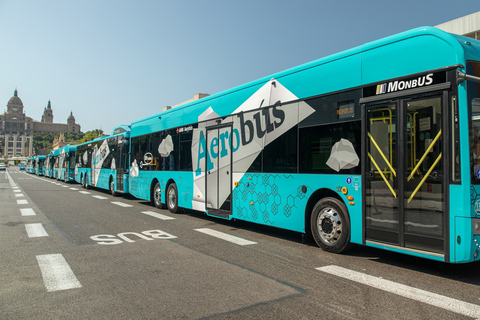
383 176
425 155
424 178
382 154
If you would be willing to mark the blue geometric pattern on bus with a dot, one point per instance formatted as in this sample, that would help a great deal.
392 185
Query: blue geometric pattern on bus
257 197
475 201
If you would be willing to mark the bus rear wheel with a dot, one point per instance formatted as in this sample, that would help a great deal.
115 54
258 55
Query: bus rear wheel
330 225
172 198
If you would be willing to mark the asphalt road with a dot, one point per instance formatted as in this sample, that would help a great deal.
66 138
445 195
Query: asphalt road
71 253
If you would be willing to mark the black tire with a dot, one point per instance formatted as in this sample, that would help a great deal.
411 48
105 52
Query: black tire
112 187
330 225
157 196
86 186
172 198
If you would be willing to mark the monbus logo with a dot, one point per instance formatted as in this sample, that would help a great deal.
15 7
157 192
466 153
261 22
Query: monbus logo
397 85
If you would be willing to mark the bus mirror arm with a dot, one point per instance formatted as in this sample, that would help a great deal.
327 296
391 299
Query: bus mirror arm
461 76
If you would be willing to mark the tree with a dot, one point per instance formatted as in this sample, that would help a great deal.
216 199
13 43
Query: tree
91 135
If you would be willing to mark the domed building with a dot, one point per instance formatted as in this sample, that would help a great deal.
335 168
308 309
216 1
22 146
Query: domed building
16 134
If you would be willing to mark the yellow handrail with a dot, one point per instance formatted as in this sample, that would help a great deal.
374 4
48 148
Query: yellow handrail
424 155
424 178
383 176
383 155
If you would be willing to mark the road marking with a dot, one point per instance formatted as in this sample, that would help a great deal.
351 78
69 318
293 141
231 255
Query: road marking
56 273
19 195
35 230
23 201
27 212
85 192
74 189
226 237
17 190
100 197
454 305
158 215
121 204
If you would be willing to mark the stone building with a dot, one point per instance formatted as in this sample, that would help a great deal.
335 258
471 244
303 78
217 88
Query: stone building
16 134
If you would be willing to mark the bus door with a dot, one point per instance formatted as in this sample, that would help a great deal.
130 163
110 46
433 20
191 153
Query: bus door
404 174
121 157
218 180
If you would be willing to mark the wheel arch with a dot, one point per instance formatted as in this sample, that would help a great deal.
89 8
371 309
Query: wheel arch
316 196
152 187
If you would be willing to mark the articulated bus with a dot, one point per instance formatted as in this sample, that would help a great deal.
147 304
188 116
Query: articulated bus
49 164
103 162
30 165
66 156
39 165
372 146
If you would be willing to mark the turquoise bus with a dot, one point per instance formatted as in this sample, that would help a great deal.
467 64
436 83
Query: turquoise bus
65 163
374 146
103 162
39 165
30 165
49 164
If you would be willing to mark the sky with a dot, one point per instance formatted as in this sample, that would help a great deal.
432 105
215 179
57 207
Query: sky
111 62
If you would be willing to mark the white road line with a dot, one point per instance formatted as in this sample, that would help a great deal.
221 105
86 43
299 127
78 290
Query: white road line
19 195
121 204
35 230
74 189
27 212
17 190
85 192
226 237
158 215
100 197
454 305
22 201
56 273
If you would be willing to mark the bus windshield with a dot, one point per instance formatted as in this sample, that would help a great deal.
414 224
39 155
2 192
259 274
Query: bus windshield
473 90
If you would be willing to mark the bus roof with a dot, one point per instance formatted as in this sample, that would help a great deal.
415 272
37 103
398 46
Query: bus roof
409 52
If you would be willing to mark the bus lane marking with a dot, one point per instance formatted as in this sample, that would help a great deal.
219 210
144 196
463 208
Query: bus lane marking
100 197
57 274
121 204
436 300
158 215
149 235
22 201
226 237
27 212
35 230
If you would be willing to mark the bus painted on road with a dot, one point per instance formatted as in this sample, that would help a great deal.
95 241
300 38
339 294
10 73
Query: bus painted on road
103 162
370 146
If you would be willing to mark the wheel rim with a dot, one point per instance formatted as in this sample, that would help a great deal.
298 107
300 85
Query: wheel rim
157 196
111 186
329 225
172 198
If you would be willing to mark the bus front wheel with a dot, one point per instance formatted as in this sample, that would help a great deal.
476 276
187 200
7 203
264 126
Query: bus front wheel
330 225
172 198
112 187
157 196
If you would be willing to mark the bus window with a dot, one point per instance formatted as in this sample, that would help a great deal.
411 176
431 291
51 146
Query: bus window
473 89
